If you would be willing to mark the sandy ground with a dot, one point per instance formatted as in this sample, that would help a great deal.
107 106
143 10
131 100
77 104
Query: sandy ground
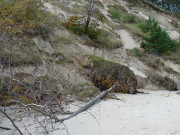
156 113
127 40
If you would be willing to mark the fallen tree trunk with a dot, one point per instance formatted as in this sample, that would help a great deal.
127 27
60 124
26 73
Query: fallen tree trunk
153 6
150 4
88 105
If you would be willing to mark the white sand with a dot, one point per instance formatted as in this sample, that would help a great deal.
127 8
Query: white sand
156 113
127 40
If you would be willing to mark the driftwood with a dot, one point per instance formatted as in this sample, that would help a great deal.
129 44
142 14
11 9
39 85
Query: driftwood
5 128
88 105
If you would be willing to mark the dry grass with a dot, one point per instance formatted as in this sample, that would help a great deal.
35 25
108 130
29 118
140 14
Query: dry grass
21 55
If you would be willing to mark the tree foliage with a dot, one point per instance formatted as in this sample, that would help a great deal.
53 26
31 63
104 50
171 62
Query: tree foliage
157 41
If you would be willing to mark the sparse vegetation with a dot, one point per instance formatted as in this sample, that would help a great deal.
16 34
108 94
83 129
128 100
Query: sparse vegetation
83 92
44 78
164 82
66 60
26 15
103 38
76 25
132 3
107 40
130 18
99 16
30 55
128 21
115 14
51 21
63 40
136 52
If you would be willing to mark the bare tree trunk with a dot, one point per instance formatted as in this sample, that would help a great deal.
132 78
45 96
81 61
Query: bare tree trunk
89 16
88 105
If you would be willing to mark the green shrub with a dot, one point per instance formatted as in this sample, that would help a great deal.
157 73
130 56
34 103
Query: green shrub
136 52
130 18
115 14
158 40
76 29
76 25
93 34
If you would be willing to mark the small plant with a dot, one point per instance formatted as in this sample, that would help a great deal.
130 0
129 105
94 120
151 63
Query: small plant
63 40
130 18
158 40
93 34
136 52
76 24
114 13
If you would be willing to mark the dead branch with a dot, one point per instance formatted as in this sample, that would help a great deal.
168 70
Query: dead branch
11 121
5 128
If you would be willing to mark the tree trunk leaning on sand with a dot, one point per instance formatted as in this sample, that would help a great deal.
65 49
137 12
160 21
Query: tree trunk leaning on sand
88 105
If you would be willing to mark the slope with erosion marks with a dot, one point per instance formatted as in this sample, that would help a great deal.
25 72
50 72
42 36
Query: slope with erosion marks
64 64
64 52
65 59
142 68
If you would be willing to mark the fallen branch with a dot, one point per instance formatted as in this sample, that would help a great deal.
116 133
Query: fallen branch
7 116
5 128
88 105
84 108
